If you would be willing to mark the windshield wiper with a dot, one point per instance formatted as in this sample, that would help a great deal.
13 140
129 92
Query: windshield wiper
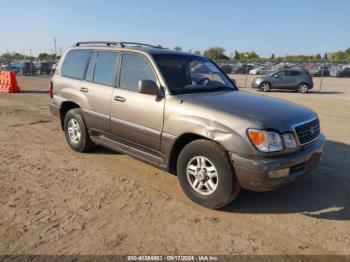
217 88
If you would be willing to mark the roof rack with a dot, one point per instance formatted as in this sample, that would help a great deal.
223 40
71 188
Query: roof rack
112 43
107 43
139 44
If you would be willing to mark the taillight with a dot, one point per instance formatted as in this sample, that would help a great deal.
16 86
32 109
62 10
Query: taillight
51 90
310 77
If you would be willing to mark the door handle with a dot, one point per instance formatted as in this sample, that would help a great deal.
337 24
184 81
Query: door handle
84 89
119 98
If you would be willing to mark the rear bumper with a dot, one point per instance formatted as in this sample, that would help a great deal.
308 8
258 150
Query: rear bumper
252 172
311 85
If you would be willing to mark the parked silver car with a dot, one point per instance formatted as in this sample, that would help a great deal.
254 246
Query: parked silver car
290 79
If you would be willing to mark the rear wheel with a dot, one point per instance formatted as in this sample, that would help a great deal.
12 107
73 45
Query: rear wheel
75 130
265 86
206 175
303 88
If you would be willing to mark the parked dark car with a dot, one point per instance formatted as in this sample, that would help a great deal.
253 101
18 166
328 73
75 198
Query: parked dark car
340 72
244 69
291 79
226 68
15 67
28 68
319 71
45 68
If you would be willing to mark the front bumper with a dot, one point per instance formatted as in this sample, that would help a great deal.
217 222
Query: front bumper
255 84
252 172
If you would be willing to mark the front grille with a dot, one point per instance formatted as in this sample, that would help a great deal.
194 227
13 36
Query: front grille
307 132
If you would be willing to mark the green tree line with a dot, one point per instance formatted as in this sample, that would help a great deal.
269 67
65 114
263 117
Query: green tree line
218 53
18 56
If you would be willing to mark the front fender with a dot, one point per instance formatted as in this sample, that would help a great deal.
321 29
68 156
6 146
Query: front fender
232 140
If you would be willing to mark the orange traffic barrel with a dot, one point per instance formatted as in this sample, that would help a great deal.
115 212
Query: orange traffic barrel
8 82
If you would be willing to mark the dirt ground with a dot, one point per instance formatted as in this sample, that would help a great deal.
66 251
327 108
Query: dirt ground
56 201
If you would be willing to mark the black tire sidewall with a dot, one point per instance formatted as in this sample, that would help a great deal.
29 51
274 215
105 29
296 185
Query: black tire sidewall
82 144
227 182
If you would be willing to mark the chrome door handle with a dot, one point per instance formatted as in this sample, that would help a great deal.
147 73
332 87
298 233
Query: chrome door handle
84 89
119 98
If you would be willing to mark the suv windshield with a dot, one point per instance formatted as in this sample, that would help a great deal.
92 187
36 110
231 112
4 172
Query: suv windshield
192 74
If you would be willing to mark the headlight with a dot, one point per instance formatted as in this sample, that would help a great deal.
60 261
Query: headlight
289 141
265 141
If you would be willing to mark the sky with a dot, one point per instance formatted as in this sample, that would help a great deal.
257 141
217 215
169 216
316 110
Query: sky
266 27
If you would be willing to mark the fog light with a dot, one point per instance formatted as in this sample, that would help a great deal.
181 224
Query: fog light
279 173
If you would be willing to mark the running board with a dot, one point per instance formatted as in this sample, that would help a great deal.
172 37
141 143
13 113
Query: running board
117 146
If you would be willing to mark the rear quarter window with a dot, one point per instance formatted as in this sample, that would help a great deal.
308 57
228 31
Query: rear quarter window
74 64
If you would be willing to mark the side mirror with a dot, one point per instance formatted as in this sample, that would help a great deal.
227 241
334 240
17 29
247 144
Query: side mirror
148 87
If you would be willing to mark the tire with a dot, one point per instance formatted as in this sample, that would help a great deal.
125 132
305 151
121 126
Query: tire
222 188
265 86
75 131
303 88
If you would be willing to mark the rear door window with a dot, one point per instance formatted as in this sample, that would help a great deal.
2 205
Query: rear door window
105 69
74 64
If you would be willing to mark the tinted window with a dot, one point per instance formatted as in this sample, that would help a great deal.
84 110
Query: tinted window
135 68
91 69
295 73
74 64
106 68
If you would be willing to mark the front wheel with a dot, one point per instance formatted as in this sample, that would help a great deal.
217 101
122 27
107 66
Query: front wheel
303 88
265 86
76 133
206 175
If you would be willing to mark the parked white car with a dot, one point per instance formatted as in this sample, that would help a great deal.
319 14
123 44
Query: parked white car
261 70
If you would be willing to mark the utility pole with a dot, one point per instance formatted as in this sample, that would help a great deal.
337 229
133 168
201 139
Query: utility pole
54 41
30 62
322 72
246 70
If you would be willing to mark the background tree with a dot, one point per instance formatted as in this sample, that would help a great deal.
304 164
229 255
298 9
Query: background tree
318 57
197 52
216 53
272 56
325 56
177 48
249 55
14 56
237 55
45 56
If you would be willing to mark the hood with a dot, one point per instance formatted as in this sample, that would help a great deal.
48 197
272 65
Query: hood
266 111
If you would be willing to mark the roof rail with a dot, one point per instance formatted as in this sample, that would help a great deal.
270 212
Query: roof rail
139 44
113 43
107 43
